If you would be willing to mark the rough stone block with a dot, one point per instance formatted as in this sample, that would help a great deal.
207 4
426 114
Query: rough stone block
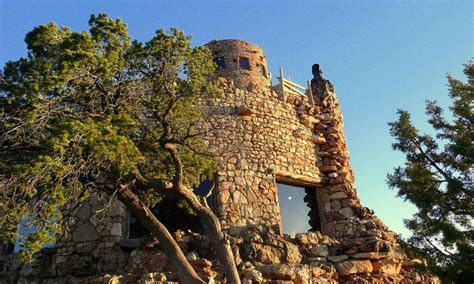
353 267
84 233
387 266
338 195
116 229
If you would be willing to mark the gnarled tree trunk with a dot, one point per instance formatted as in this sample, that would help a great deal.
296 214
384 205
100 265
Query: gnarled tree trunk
220 244
167 243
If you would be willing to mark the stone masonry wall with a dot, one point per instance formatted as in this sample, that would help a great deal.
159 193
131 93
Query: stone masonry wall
258 139
344 217
255 149
92 229
262 135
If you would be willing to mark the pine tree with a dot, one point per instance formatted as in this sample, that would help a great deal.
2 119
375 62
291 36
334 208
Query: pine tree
438 179
90 112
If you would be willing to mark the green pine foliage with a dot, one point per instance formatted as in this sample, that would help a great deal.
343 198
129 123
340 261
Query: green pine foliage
85 110
438 179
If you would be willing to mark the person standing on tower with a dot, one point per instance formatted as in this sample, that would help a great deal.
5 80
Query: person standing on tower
317 74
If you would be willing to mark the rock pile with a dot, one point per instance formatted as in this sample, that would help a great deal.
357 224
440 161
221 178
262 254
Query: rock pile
262 256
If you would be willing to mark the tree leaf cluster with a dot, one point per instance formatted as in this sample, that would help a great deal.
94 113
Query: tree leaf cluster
90 110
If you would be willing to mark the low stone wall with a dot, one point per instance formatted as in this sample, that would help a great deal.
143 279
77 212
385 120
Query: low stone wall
92 229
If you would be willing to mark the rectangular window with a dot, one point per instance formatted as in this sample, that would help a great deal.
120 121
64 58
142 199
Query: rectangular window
220 62
298 208
244 63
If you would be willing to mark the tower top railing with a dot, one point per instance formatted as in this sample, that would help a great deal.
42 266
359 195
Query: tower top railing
288 87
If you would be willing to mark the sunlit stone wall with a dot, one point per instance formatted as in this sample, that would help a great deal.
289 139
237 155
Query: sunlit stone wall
258 136
261 135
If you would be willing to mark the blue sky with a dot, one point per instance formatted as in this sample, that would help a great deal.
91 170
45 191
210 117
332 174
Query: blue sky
380 55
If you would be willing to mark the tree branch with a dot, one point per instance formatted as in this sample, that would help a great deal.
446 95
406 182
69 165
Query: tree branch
177 163
220 243
156 184
430 160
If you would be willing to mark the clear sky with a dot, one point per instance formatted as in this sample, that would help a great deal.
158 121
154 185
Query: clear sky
380 56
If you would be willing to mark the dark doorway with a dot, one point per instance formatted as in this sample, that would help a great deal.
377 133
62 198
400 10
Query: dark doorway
174 213
298 208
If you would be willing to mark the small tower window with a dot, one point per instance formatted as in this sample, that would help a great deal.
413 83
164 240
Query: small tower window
263 71
244 63
220 62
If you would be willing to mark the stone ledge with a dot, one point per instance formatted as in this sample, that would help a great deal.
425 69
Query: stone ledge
295 179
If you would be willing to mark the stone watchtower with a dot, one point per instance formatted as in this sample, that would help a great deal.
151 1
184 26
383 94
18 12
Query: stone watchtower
268 135
267 140
258 136
243 63
263 136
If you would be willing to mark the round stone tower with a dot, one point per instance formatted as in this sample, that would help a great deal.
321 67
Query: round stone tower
242 62
266 138
258 138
